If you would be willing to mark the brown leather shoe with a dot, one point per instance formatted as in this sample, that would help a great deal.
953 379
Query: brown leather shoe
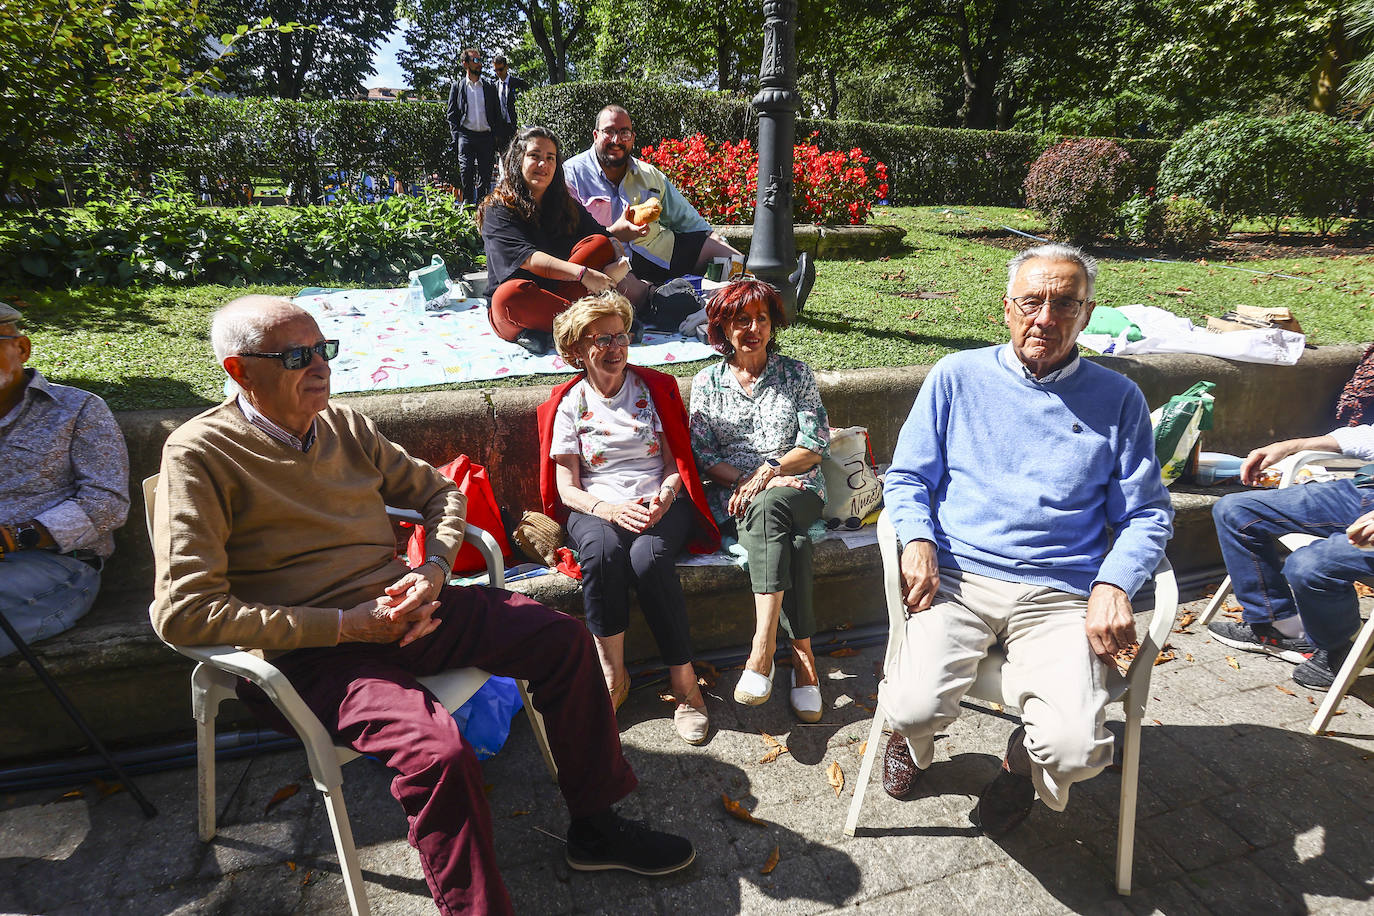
899 770
1007 800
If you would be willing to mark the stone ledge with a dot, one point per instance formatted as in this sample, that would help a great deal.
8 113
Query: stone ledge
829 243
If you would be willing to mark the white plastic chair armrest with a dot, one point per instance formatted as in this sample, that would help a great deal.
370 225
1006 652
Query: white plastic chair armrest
486 544
1161 625
319 746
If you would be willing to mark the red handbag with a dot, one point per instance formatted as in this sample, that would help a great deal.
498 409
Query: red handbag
483 512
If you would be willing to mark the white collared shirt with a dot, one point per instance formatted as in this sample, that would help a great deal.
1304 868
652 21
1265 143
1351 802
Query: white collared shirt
475 118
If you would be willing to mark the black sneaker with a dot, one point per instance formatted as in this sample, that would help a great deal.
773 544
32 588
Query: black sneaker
629 845
1319 671
1261 637
537 342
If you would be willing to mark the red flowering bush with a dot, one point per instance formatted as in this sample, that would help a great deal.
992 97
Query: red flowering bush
721 180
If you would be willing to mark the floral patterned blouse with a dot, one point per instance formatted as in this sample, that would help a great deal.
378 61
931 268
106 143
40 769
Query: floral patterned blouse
731 427
616 439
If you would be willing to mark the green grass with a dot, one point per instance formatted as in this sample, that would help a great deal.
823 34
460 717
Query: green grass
149 348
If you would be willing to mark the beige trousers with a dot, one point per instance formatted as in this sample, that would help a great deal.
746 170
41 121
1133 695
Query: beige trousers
1051 673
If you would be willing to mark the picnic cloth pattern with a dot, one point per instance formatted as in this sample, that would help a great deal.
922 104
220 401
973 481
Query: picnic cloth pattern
384 344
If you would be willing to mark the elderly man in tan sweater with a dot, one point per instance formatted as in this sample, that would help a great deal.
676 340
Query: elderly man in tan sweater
272 534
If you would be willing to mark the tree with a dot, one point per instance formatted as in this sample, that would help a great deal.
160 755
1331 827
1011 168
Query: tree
328 60
71 69
558 29
436 35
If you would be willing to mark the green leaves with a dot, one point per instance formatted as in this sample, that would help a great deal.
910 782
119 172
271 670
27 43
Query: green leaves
170 240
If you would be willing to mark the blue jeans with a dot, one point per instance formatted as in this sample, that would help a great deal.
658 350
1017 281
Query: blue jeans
1316 581
43 593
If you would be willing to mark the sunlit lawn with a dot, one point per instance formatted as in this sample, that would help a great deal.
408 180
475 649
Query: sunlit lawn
149 348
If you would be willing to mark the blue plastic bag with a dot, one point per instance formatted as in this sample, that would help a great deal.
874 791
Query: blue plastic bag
485 718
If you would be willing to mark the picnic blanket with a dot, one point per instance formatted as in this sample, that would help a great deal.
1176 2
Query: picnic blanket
1164 332
383 344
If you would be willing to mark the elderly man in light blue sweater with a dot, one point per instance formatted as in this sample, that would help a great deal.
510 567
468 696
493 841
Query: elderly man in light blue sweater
1013 471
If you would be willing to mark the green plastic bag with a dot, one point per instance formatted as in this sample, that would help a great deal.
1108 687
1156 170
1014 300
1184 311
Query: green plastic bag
1110 321
1178 426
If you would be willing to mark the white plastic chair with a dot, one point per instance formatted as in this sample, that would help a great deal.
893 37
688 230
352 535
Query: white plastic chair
1132 691
214 679
1291 542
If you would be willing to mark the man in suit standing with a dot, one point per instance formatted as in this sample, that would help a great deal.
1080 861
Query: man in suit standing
474 121
508 88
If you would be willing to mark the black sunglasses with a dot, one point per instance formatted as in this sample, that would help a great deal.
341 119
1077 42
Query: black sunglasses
300 357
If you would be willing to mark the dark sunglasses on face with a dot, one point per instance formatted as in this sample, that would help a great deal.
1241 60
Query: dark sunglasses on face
300 357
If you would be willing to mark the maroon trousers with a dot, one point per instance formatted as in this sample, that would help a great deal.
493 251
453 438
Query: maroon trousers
367 696
519 304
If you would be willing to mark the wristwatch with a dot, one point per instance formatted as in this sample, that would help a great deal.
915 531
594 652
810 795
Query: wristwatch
775 464
27 536
442 563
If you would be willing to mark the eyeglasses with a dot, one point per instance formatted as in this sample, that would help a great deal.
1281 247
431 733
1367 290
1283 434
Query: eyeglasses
470 59
300 357
625 133
606 341
10 336
744 320
1060 308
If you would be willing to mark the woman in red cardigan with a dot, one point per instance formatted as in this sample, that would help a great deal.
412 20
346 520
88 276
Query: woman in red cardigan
616 465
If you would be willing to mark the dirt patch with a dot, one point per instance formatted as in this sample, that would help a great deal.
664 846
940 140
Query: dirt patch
1238 246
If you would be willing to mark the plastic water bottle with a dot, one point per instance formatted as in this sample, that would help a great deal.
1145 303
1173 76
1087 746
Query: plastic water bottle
415 299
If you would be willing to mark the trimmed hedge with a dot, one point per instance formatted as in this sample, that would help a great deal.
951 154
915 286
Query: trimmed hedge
223 145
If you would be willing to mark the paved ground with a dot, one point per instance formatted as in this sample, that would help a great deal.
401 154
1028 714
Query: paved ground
1240 811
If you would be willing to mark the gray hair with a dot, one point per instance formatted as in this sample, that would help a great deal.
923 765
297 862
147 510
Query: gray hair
1055 251
240 326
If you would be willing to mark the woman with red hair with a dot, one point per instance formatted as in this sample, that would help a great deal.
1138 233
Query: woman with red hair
759 431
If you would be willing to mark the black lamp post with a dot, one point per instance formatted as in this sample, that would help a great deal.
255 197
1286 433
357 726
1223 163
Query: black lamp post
773 250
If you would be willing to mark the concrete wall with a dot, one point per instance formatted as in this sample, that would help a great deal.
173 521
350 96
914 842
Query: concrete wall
1255 405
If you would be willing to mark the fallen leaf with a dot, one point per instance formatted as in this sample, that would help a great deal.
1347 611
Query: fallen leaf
865 707
846 652
1188 657
1312 701
309 876
668 698
74 793
771 864
736 810
108 788
1125 656
899 275
1163 657
863 748
518 813
1156 721
835 776
282 795
913 316
1185 621
1282 689
1231 660
772 754
291 865
995 707
1364 591
770 740
706 673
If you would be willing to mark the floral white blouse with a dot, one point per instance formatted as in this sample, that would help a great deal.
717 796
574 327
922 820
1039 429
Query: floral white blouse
730 426
616 439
